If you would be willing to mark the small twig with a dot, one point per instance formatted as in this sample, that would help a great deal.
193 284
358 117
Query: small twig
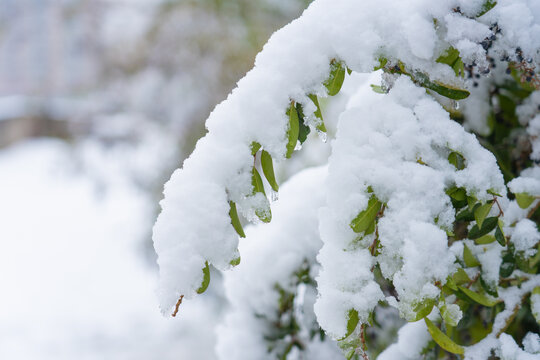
177 305
512 316
363 339
501 212
473 280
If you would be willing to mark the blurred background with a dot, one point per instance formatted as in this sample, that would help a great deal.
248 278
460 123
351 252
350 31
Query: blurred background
100 100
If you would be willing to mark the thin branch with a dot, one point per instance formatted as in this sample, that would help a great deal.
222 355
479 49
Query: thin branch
177 305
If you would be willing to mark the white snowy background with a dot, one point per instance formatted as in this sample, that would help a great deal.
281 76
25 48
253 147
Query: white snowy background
99 102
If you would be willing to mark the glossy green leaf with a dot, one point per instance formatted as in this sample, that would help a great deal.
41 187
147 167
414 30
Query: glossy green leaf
440 88
448 316
481 212
235 221
486 239
489 224
366 218
206 279
303 130
292 132
268 169
352 322
468 257
423 309
499 235
335 80
461 277
524 200
318 113
442 339
457 160
256 182
457 193
489 286
449 57
479 298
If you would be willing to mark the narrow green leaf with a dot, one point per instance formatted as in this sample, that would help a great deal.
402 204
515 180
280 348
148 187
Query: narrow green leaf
294 128
479 298
303 130
457 160
489 286
440 88
378 89
235 221
449 57
524 200
256 182
458 194
352 321
483 240
493 192
206 279
471 202
451 283
268 170
469 259
318 113
382 62
461 277
423 309
335 80
442 339
489 224
366 218
481 212
499 235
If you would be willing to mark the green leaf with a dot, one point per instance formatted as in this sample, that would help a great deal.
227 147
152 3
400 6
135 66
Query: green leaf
489 286
294 128
442 339
524 200
335 80
465 215
440 88
488 225
235 221
468 257
506 269
268 170
483 240
488 5
382 62
235 262
255 146
457 160
471 202
493 192
206 279
458 194
450 283
303 130
479 298
352 322
318 113
499 235
481 212
423 309
366 218
378 89
256 182
449 57
448 316
461 277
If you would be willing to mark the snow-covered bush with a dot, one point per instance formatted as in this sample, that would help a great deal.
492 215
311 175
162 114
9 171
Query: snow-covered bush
411 217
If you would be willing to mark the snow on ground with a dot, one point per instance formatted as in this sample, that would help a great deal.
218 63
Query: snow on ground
74 280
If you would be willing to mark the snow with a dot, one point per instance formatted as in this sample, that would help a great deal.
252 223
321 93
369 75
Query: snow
270 255
75 282
412 338
525 235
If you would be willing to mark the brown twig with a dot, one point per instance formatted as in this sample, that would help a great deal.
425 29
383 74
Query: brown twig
363 339
501 212
177 305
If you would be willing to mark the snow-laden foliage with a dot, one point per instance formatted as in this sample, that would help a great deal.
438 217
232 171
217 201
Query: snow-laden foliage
414 214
